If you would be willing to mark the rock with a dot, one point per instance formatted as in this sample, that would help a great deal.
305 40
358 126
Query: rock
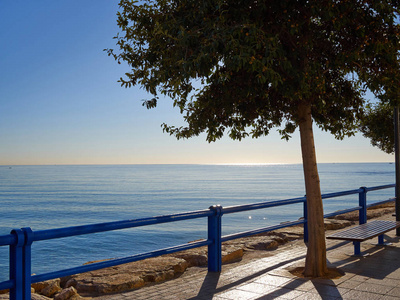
262 243
33 297
77 297
47 288
372 212
291 233
192 257
39 297
51 289
39 286
231 253
128 276
90 284
197 257
66 294
269 240
384 205
332 224
375 213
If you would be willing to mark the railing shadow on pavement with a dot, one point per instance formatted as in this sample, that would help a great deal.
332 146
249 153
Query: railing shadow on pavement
210 283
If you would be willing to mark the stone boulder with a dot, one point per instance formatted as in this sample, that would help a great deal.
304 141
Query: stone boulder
128 276
67 294
231 253
372 212
197 257
47 288
39 297
333 224
261 243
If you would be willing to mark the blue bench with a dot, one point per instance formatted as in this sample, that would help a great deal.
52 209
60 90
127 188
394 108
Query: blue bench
364 232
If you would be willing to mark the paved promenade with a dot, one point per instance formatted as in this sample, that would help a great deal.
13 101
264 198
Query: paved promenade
266 276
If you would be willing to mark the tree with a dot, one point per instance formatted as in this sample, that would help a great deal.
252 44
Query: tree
244 67
377 125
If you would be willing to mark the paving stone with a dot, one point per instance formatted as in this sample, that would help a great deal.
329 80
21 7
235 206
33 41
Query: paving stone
327 290
300 285
373 288
284 293
395 292
258 288
350 284
239 295
385 281
273 280
387 297
311 296
360 278
355 295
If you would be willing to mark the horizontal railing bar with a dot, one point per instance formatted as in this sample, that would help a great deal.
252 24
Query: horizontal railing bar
8 239
340 194
381 187
118 261
260 205
381 202
6 285
102 227
260 230
342 211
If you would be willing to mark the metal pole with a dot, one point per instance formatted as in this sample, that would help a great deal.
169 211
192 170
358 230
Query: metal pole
214 235
397 160
17 266
362 201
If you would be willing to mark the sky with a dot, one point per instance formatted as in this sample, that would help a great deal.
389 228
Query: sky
60 102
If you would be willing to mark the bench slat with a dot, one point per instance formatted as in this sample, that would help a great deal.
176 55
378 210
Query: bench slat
365 231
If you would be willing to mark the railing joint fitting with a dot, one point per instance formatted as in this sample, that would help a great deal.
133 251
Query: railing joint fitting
218 210
28 233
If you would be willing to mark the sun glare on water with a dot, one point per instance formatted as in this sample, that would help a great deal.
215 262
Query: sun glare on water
249 164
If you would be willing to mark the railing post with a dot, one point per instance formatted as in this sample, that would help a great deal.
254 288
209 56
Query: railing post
305 216
214 235
362 201
27 266
16 265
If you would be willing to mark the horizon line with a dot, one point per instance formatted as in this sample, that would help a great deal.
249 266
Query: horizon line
204 164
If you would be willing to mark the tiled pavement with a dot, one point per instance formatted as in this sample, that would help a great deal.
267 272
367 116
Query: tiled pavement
375 276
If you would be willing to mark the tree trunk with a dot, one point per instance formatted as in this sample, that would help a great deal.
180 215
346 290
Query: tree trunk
316 265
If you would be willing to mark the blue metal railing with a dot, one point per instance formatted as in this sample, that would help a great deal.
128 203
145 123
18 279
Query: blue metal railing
20 240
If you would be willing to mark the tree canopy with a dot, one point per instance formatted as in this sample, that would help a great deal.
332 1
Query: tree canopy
244 66
377 124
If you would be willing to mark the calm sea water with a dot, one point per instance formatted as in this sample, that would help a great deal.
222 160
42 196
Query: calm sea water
45 197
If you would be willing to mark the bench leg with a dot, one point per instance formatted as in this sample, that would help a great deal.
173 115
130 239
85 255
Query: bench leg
380 240
357 248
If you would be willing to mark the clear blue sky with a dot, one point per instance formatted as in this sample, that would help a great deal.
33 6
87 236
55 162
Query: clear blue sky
60 102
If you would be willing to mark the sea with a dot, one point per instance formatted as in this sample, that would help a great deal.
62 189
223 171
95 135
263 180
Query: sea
47 197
